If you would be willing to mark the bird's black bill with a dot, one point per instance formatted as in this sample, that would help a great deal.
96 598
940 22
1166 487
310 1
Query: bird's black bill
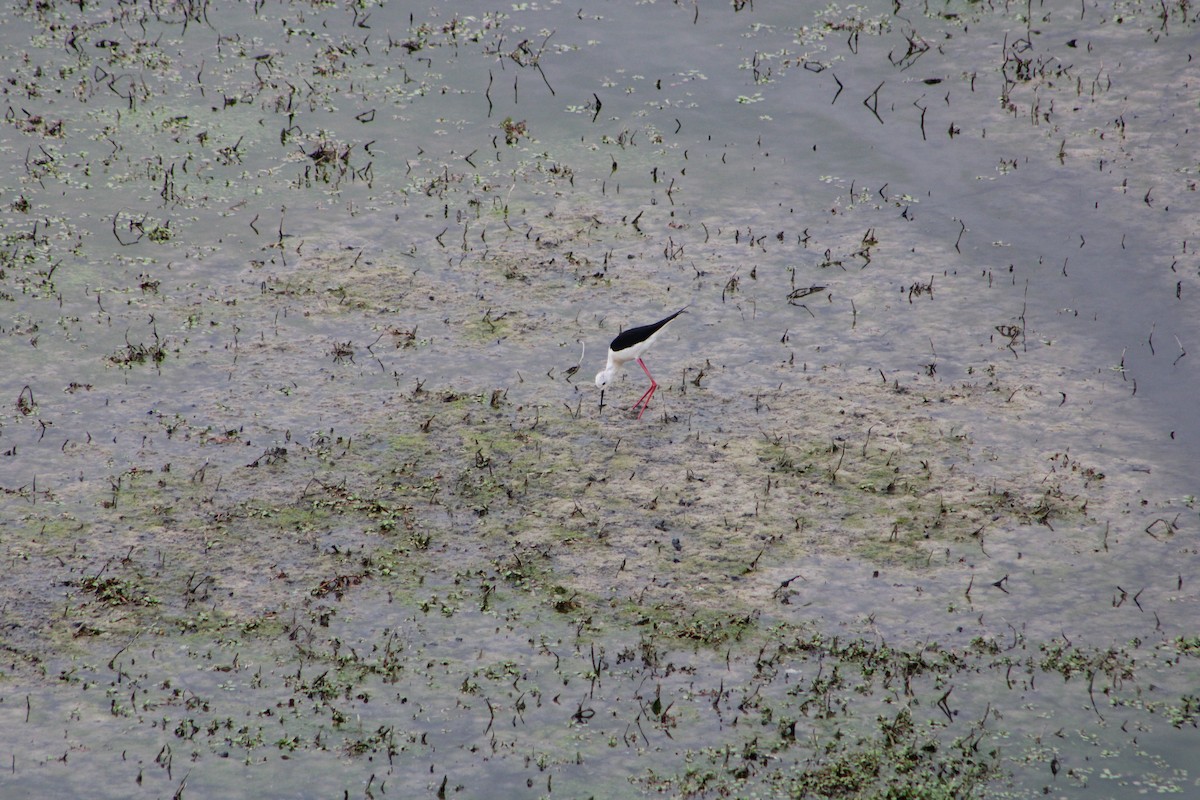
601 401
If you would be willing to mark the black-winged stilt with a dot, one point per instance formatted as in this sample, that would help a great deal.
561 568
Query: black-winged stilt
629 346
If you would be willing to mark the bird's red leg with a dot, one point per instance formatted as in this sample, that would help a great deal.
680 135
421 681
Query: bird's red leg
645 401
645 396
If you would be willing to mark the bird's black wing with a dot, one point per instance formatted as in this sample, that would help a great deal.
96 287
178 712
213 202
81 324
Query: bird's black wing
641 333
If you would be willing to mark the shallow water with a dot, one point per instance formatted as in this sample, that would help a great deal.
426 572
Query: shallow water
305 480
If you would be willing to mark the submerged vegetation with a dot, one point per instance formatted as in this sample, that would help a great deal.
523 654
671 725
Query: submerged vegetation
302 487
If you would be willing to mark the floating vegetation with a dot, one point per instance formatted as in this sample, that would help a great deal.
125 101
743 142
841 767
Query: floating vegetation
900 524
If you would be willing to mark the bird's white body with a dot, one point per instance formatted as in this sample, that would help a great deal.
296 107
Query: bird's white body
629 346
619 358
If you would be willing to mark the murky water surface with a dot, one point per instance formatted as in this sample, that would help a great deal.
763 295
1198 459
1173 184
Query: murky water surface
306 487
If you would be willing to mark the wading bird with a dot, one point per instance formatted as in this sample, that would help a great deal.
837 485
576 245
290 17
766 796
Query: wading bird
629 346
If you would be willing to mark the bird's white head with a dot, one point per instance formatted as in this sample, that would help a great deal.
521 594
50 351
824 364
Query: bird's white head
603 377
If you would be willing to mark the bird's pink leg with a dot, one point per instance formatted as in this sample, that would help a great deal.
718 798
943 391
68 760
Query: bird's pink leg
645 401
